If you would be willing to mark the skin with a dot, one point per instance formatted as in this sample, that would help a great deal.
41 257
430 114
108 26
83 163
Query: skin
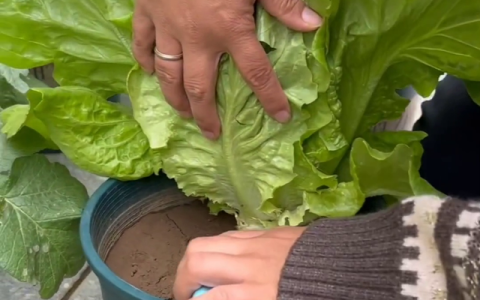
236 264
239 265
203 30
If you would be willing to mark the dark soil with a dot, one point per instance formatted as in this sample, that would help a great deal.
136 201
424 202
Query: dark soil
147 254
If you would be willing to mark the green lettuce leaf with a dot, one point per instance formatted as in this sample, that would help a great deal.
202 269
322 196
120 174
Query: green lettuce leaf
9 96
307 193
326 140
385 104
14 77
371 41
96 135
150 108
14 118
394 173
372 49
12 86
88 41
343 201
40 209
341 81
255 154
382 164
18 116
473 88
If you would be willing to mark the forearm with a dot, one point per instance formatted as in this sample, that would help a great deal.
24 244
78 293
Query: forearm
425 248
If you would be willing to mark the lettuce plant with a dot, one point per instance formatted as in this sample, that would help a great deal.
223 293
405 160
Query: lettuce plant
340 80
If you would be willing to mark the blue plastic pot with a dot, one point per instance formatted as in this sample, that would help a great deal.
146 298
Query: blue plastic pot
114 207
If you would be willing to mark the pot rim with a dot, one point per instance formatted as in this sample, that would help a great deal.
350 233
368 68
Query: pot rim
98 266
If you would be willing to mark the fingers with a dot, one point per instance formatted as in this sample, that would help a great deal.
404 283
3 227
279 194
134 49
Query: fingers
232 292
243 234
237 242
217 244
170 74
294 14
207 269
279 232
253 64
143 41
200 80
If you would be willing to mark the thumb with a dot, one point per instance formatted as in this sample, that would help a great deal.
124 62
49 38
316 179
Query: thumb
294 14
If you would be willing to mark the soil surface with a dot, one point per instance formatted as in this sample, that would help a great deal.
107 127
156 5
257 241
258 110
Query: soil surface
147 254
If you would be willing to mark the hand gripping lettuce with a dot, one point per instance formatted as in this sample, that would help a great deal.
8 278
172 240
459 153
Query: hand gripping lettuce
340 80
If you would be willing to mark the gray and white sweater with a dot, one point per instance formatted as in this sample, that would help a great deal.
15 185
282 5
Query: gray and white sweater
424 249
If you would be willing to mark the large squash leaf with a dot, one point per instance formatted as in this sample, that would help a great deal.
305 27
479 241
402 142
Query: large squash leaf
40 208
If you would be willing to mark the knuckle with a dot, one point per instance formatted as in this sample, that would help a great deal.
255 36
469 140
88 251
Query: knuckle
221 294
240 26
286 7
165 75
196 92
194 264
137 53
141 58
191 28
145 61
139 43
195 245
260 77
141 50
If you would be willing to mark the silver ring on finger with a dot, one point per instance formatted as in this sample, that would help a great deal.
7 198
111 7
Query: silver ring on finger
168 57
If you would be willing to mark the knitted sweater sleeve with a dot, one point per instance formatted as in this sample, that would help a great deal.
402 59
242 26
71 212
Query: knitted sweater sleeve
424 249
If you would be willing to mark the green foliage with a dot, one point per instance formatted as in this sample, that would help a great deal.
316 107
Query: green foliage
340 80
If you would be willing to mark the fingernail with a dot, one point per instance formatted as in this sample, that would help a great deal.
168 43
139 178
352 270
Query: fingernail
311 17
209 135
282 116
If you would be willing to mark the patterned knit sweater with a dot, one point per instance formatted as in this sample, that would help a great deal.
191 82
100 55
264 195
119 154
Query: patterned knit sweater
424 249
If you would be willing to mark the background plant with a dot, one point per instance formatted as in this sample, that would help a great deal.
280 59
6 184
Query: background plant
40 203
